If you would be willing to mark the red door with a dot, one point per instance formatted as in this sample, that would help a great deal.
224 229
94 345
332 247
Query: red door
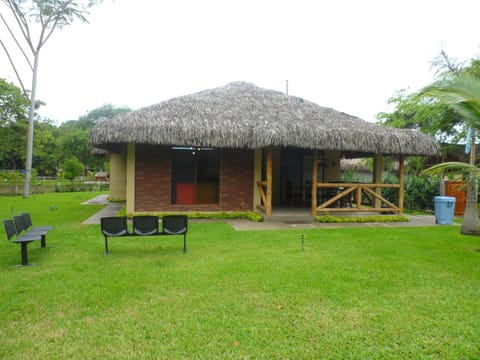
458 190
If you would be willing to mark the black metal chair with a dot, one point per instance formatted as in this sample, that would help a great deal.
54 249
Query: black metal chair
22 229
23 240
176 225
29 225
113 226
145 225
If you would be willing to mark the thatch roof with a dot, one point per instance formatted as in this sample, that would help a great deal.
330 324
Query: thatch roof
242 115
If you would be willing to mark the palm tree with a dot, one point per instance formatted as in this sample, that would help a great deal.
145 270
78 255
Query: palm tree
463 94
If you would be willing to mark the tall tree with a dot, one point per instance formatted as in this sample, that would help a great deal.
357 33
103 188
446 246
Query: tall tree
50 15
415 111
421 113
463 94
13 103
45 148
13 125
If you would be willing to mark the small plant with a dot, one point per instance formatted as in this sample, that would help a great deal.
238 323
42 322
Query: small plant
360 219
249 215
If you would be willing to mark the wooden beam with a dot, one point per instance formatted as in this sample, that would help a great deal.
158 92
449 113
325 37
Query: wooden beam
363 185
380 199
401 171
268 204
314 182
130 189
354 210
257 176
263 197
377 177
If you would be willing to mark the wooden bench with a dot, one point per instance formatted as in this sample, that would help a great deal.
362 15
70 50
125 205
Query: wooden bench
145 225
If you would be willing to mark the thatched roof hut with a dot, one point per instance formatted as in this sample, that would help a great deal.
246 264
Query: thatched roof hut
242 115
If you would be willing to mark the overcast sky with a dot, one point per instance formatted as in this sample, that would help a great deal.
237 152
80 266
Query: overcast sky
349 55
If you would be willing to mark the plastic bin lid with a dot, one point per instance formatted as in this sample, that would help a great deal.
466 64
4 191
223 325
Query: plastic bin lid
444 198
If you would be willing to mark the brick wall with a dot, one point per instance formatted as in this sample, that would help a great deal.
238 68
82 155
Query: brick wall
153 181
236 189
152 177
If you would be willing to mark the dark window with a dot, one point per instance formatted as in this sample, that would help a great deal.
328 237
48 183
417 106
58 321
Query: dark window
195 175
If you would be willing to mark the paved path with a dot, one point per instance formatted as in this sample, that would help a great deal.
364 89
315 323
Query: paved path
415 220
111 209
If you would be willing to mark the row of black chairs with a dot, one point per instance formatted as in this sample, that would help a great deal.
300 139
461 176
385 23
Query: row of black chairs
144 225
20 230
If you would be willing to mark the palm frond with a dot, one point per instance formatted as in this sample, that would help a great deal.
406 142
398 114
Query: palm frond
462 94
453 167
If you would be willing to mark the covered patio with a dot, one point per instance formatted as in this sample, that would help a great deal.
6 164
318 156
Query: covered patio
332 196
338 135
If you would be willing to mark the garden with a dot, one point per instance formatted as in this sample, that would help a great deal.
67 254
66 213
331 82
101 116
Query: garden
347 293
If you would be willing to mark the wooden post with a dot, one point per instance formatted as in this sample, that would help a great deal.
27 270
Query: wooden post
268 205
377 178
314 181
257 176
130 188
358 197
401 170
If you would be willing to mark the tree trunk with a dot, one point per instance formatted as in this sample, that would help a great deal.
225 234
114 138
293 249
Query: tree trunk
31 116
471 222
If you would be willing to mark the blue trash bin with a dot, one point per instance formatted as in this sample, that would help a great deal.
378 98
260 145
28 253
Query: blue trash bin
444 208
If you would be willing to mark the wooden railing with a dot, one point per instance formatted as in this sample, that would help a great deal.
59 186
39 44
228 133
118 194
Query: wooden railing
345 202
265 186
265 198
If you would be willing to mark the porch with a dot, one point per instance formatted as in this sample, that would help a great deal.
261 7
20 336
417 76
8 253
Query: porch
323 196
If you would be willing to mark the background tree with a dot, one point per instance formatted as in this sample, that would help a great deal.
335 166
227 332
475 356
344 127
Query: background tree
49 15
45 148
412 111
13 103
427 114
13 125
88 121
73 136
72 168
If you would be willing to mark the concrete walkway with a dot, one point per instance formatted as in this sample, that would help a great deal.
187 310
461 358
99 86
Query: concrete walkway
111 209
293 222
415 220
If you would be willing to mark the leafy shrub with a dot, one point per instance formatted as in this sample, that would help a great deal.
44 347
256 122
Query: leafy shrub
72 168
419 191
12 176
391 194
249 215
360 219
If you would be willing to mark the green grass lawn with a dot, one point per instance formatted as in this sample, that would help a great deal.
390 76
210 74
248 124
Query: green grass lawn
369 293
